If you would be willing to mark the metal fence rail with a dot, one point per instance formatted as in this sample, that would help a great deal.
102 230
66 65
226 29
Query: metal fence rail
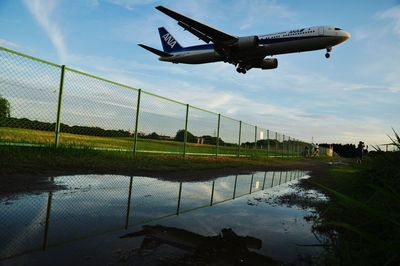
46 104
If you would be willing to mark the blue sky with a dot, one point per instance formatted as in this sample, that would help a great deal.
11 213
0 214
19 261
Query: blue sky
352 96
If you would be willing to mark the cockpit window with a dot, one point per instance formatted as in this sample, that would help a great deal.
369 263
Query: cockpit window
338 29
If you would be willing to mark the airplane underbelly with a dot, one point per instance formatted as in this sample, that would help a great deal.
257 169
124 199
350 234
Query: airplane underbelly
251 54
301 45
198 58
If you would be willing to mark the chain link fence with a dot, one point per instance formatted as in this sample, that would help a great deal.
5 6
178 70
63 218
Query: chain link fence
45 104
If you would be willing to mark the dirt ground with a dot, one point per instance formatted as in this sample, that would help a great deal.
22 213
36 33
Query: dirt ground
25 181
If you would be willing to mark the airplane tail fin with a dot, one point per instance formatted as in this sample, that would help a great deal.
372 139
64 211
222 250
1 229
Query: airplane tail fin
168 41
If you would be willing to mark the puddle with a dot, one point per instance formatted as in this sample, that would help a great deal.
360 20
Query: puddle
168 221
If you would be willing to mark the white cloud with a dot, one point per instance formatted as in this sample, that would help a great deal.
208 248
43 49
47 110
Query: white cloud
217 87
44 13
6 43
92 3
269 10
342 105
392 14
360 34
130 4
395 89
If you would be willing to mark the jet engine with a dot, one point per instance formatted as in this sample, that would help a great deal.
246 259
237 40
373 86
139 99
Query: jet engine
245 43
268 63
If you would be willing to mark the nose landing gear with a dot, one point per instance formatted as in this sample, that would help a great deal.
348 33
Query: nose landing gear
328 50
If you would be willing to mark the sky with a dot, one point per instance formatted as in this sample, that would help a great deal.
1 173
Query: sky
352 96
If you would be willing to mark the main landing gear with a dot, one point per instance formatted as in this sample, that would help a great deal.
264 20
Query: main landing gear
241 70
328 50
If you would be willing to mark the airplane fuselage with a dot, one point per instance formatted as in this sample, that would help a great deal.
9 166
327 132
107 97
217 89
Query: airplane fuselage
293 41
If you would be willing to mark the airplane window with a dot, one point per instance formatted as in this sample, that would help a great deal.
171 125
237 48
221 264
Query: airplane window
338 29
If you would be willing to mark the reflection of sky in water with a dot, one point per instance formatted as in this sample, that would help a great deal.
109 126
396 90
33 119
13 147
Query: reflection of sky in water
282 230
96 204
21 224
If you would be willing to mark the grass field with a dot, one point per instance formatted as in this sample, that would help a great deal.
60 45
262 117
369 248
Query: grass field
30 136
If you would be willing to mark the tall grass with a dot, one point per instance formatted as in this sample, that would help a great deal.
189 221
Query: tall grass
363 219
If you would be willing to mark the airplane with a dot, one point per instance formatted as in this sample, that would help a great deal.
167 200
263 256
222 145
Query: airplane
246 52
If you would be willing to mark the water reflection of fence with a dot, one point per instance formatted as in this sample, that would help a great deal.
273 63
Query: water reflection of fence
54 105
95 205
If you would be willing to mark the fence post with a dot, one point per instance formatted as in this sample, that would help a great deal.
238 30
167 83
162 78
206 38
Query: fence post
289 148
179 199
276 144
60 94
185 135
255 138
267 142
298 144
48 211
128 209
234 188
265 177
295 147
218 126
283 145
240 134
212 193
251 183
137 121
273 176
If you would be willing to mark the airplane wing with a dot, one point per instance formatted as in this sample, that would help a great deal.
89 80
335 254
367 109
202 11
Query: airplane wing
226 45
202 31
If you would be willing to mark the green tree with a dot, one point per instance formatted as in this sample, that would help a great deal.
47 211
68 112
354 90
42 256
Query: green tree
180 135
4 108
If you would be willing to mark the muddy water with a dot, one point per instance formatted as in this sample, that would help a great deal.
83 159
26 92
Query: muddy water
230 218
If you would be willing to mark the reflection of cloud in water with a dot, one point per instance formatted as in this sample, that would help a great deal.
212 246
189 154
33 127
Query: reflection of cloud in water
94 204
27 234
